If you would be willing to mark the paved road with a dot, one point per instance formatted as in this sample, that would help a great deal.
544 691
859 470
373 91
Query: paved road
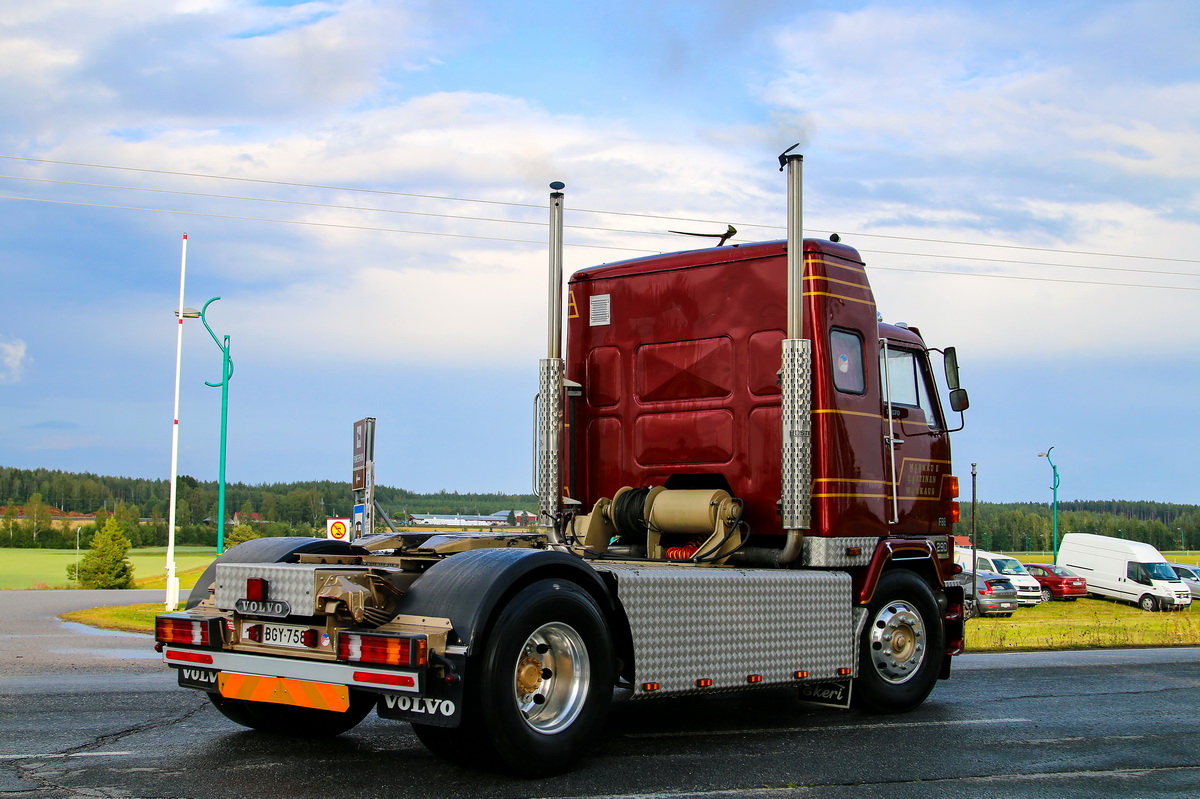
94 714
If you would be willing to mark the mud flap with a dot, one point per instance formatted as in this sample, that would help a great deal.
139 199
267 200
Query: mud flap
439 705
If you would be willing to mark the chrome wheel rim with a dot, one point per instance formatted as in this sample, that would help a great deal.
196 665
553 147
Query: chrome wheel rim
551 677
898 642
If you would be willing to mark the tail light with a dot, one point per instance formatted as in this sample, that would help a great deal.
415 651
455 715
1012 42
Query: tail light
187 630
986 588
384 649
949 494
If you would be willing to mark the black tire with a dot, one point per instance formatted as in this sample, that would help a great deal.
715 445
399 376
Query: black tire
295 722
1148 603
1047 595
902 646
544 683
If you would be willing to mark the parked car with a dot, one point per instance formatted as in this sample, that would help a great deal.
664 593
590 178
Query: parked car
1057 582
1190 575
995 595
1029 590
1127 571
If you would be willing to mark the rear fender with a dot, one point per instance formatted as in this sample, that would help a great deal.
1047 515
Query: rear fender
470 587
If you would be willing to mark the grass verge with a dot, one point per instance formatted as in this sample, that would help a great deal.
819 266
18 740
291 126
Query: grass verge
128 618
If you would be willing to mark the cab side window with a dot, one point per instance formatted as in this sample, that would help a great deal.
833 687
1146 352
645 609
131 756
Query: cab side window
908 382
1137 572
846 356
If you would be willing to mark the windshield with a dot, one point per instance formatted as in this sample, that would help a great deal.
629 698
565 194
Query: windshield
1011 566
1160 571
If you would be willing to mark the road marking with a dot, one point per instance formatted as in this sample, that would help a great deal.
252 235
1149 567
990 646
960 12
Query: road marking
56 755
839 728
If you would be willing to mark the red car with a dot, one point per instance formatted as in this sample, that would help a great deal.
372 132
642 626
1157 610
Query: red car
1057 582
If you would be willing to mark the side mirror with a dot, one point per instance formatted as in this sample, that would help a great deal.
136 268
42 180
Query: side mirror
958 400
950 362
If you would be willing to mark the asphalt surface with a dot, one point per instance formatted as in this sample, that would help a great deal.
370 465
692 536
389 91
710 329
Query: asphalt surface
86 713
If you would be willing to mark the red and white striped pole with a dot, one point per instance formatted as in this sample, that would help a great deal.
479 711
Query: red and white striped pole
172 596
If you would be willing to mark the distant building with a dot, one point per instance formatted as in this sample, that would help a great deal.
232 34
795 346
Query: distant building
523 518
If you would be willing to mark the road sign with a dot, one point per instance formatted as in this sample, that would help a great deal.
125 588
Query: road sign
337 529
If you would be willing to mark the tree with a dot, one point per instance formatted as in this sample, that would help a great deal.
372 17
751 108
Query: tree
105 564
512 518
37 517
10 519
240 534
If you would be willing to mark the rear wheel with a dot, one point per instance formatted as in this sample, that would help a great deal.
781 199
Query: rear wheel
1047 595
298 722
546 678
1148 603
902 646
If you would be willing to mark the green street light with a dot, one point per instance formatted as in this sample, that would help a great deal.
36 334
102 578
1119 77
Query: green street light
226 373
1054 512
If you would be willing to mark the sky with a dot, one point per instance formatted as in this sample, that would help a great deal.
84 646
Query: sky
363 183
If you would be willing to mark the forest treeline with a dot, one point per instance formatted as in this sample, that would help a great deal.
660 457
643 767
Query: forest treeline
140 507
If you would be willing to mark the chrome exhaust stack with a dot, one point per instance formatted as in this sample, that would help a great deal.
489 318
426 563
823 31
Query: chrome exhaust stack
796 375
550 384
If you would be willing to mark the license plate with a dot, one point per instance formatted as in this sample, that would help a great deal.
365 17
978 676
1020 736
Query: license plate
1007 605
284 635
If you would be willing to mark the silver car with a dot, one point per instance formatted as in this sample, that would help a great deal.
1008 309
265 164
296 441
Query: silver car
995 595
1190 575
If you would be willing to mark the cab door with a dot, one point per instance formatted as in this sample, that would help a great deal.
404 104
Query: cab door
915 440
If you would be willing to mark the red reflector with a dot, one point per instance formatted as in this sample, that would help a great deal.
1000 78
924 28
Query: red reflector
189 657
754 678
400 680
853 551
254 632
256 589
705 683
651 686
310 638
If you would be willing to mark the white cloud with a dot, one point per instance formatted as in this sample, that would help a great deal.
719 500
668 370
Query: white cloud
13 359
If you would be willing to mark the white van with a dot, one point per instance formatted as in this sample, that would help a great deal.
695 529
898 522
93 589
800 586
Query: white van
1126 570
1029 590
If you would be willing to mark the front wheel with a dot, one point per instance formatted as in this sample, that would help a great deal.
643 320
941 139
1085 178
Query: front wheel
546 679
1148 603
902 646
1047 595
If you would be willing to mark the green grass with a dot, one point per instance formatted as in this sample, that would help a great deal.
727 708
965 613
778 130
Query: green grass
1083 624
130 618
47 568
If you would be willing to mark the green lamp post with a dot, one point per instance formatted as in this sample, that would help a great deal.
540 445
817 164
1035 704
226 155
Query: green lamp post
226 373
1054 488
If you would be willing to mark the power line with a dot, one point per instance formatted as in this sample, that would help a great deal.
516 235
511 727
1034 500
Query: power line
581 210
1037 279
327 205
587 246
316 224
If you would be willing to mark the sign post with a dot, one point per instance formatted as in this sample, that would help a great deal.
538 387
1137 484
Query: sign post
363 478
